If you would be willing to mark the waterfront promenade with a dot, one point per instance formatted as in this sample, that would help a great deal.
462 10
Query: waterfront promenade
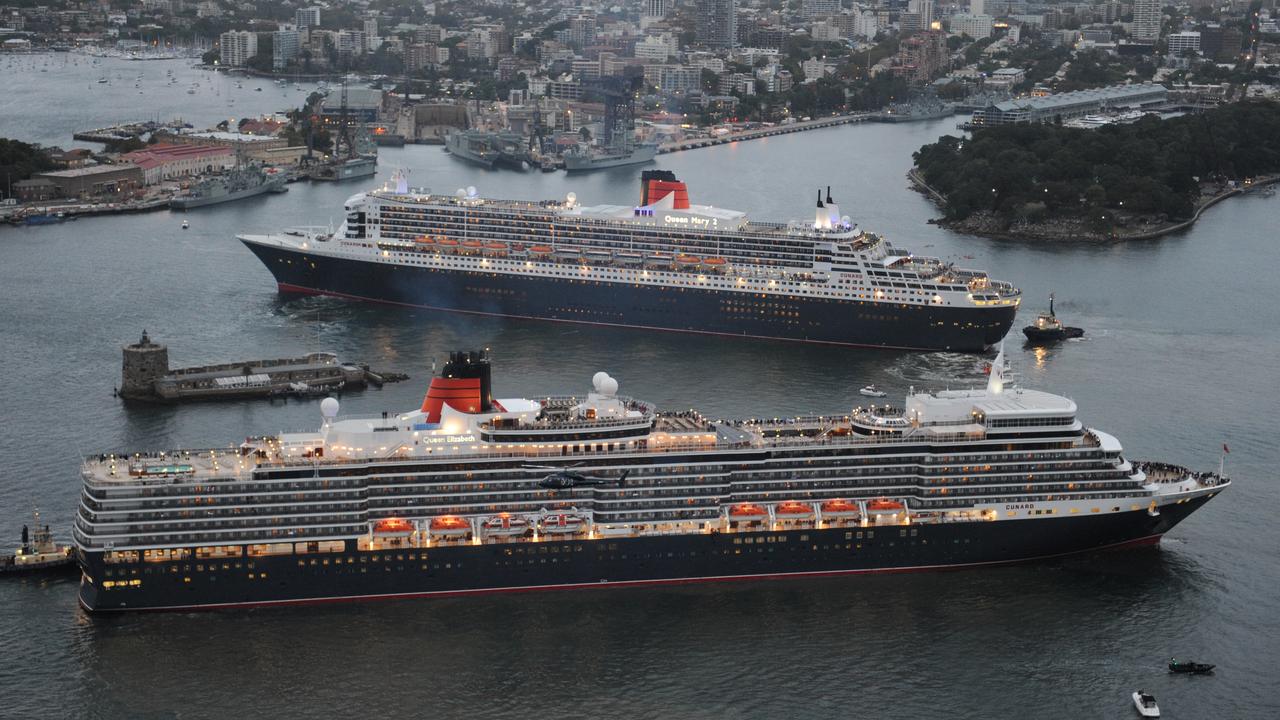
763 132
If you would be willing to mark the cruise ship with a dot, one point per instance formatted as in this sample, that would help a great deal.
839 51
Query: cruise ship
471 494
664 263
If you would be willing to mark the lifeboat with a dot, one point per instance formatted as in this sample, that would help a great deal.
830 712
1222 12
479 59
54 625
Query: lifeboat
540 249
472 243
448 242
885 507
748 512
657 259
630 258
839 509
424 240
561 524
599 256
450 526
393 527
688 260
495 248
792 511
506 525
715 262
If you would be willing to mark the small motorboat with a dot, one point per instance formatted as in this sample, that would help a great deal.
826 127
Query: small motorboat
871 391
1193 668
185 224
1146 704
1047 328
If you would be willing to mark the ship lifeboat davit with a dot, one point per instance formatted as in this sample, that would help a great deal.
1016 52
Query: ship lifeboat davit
495 248
393 527
449 526
793 511
839 509
540 249
561 524
748 512
689 260
885 507
506 525
424 240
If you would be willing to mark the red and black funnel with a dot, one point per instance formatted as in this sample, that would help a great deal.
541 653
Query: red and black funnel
464 384
657 184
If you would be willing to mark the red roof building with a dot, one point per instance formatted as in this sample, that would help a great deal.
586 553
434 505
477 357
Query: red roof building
162 162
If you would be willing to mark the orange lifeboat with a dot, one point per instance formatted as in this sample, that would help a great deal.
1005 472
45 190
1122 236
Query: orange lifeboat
495 247
540 249
715 262
688 259
472 243
747 512
792 511
506 525
424 240
839 509
885 507
448 242
561 524
449 526
393 527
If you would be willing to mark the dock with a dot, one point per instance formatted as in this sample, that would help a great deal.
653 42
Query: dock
763 132
146 375
127 131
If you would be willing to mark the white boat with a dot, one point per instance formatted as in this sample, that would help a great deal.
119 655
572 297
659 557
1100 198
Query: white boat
1146 704
185 224
871 391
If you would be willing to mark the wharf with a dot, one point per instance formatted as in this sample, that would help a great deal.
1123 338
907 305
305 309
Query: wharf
146 375
127 131
764 132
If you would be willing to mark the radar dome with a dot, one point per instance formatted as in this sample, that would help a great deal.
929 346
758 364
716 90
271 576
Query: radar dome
471 191
329 407
609 386
846 221
597 380
462 192
571 197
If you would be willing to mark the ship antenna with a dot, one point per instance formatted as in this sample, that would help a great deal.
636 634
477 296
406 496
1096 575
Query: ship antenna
1051 305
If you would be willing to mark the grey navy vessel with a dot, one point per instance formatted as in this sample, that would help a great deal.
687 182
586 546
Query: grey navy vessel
235 184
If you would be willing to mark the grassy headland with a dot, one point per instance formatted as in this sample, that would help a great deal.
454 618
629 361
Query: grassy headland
1053 182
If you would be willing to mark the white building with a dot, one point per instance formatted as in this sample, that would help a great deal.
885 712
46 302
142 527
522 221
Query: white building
284 47
1181 42
1147 15
653 48
307 17
820 8
823 31
656 8
814 68
237 47
975 26
977 7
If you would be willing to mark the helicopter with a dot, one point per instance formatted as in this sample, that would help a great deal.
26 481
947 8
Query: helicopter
566 478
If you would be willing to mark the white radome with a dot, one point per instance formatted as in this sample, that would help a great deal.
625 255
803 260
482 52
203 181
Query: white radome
609 386
329 407
598 379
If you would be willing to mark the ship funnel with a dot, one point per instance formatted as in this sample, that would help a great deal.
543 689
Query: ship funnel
464 384
658 184
829 200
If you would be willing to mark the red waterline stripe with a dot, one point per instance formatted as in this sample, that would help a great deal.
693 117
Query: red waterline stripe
1139 542
298 289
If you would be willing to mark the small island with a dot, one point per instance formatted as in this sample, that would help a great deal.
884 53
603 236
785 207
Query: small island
1120 182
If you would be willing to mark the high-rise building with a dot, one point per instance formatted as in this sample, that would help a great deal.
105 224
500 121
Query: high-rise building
284 47
923 8
582 31
717 23
237 47
1146 20
656 8
975 26
1180 42
820 8
307 17
977 7
371 28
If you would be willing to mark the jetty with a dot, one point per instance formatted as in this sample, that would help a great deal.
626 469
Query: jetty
762 132
127 131
146 375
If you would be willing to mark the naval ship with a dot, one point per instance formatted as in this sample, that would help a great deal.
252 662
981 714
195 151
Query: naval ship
663 263
470 493
232 185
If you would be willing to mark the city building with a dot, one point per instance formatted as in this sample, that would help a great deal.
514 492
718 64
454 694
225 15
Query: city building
96 181
237 47
656 8
1005 78
1180 42
166 161
285 45
36 189
1147 15
923 56
975 26
977 7
820 8
1064 106
306 18
717 25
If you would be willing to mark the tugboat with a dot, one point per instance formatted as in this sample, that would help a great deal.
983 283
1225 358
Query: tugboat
38 553
1146 704
1048 328
1193 668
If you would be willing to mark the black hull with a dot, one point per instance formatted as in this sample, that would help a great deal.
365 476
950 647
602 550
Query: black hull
1036 335
580 563
843 322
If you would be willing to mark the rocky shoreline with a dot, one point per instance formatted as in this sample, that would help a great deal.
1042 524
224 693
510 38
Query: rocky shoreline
1075 229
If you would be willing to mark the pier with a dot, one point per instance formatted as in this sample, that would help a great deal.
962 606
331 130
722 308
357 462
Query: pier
126 131
764 132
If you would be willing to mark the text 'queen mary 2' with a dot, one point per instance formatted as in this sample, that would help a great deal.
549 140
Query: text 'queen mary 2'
474 494
663 264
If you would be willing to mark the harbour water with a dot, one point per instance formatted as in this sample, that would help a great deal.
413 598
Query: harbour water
1179 358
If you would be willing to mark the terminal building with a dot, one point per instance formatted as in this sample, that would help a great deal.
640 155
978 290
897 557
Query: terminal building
1065 106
